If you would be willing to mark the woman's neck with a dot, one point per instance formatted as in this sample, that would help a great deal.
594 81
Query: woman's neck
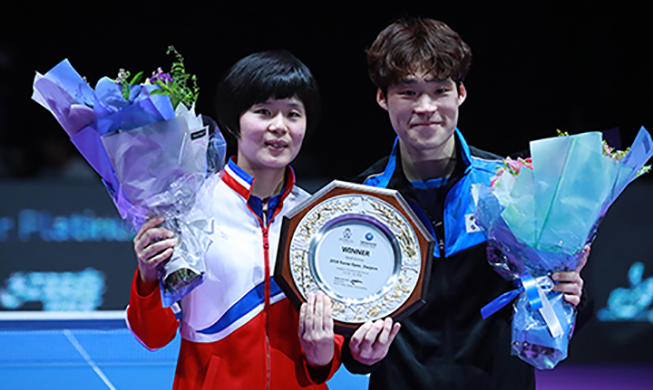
267 182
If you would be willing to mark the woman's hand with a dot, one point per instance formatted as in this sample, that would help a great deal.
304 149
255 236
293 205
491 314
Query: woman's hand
316 330
152 245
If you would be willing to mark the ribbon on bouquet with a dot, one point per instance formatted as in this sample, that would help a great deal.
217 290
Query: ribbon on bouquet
536 298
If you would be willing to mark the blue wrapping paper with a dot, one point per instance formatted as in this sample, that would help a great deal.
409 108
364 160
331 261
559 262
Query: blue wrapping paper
540 222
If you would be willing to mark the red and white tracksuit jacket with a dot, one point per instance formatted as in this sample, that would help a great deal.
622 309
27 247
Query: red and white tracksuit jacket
238 329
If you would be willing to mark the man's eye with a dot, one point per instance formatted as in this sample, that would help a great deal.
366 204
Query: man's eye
407 93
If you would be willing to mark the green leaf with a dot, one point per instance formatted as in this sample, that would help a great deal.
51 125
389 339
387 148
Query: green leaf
178 89
136 79
125 91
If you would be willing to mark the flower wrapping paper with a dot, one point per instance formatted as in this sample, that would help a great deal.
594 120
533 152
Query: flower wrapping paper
540 221
151 157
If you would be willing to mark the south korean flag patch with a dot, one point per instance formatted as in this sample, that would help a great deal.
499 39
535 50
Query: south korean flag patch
470 224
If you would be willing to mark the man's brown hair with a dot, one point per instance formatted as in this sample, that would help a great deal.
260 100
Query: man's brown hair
409 46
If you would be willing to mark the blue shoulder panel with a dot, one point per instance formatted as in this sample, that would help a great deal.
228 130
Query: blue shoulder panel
460 229
382 179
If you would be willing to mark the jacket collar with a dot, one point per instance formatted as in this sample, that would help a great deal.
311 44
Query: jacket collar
383 179
242 182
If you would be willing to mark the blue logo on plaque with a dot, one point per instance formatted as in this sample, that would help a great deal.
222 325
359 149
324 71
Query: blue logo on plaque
346 234
369 236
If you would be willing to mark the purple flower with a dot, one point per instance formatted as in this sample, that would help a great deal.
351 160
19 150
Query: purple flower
160 75
122 76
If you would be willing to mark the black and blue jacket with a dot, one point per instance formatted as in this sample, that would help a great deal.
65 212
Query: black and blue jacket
446 344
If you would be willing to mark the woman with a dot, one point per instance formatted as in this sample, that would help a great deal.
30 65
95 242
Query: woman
238 329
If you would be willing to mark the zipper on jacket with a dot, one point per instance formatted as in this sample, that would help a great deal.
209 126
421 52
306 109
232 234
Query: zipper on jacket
449 327
266 256
439 236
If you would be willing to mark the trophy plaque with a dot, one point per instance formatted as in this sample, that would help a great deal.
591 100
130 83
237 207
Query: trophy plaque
362 246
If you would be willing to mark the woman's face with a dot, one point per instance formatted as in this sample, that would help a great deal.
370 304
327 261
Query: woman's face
271 134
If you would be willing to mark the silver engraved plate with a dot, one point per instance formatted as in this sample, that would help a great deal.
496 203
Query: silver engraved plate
360 252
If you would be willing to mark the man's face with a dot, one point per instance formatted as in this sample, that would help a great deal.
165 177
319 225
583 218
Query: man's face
424 113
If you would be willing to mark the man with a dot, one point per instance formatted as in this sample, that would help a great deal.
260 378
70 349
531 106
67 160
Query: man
419 66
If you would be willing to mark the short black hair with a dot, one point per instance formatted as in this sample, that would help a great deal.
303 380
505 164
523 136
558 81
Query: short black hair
269 74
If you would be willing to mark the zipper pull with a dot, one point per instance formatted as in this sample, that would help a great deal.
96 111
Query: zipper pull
264 208
439 235
266 242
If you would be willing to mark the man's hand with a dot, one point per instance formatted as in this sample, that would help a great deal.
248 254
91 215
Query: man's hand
370 342
570 283
316 330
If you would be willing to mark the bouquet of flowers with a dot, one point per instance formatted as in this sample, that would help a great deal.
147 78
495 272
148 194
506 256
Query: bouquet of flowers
151 150
540 215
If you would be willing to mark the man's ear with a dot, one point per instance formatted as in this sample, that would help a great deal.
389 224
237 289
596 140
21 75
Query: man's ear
381 100
462 94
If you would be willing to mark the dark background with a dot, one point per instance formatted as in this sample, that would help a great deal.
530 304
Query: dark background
537 67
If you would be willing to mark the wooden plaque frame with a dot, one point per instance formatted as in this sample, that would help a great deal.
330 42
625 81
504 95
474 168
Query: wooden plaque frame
283 273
